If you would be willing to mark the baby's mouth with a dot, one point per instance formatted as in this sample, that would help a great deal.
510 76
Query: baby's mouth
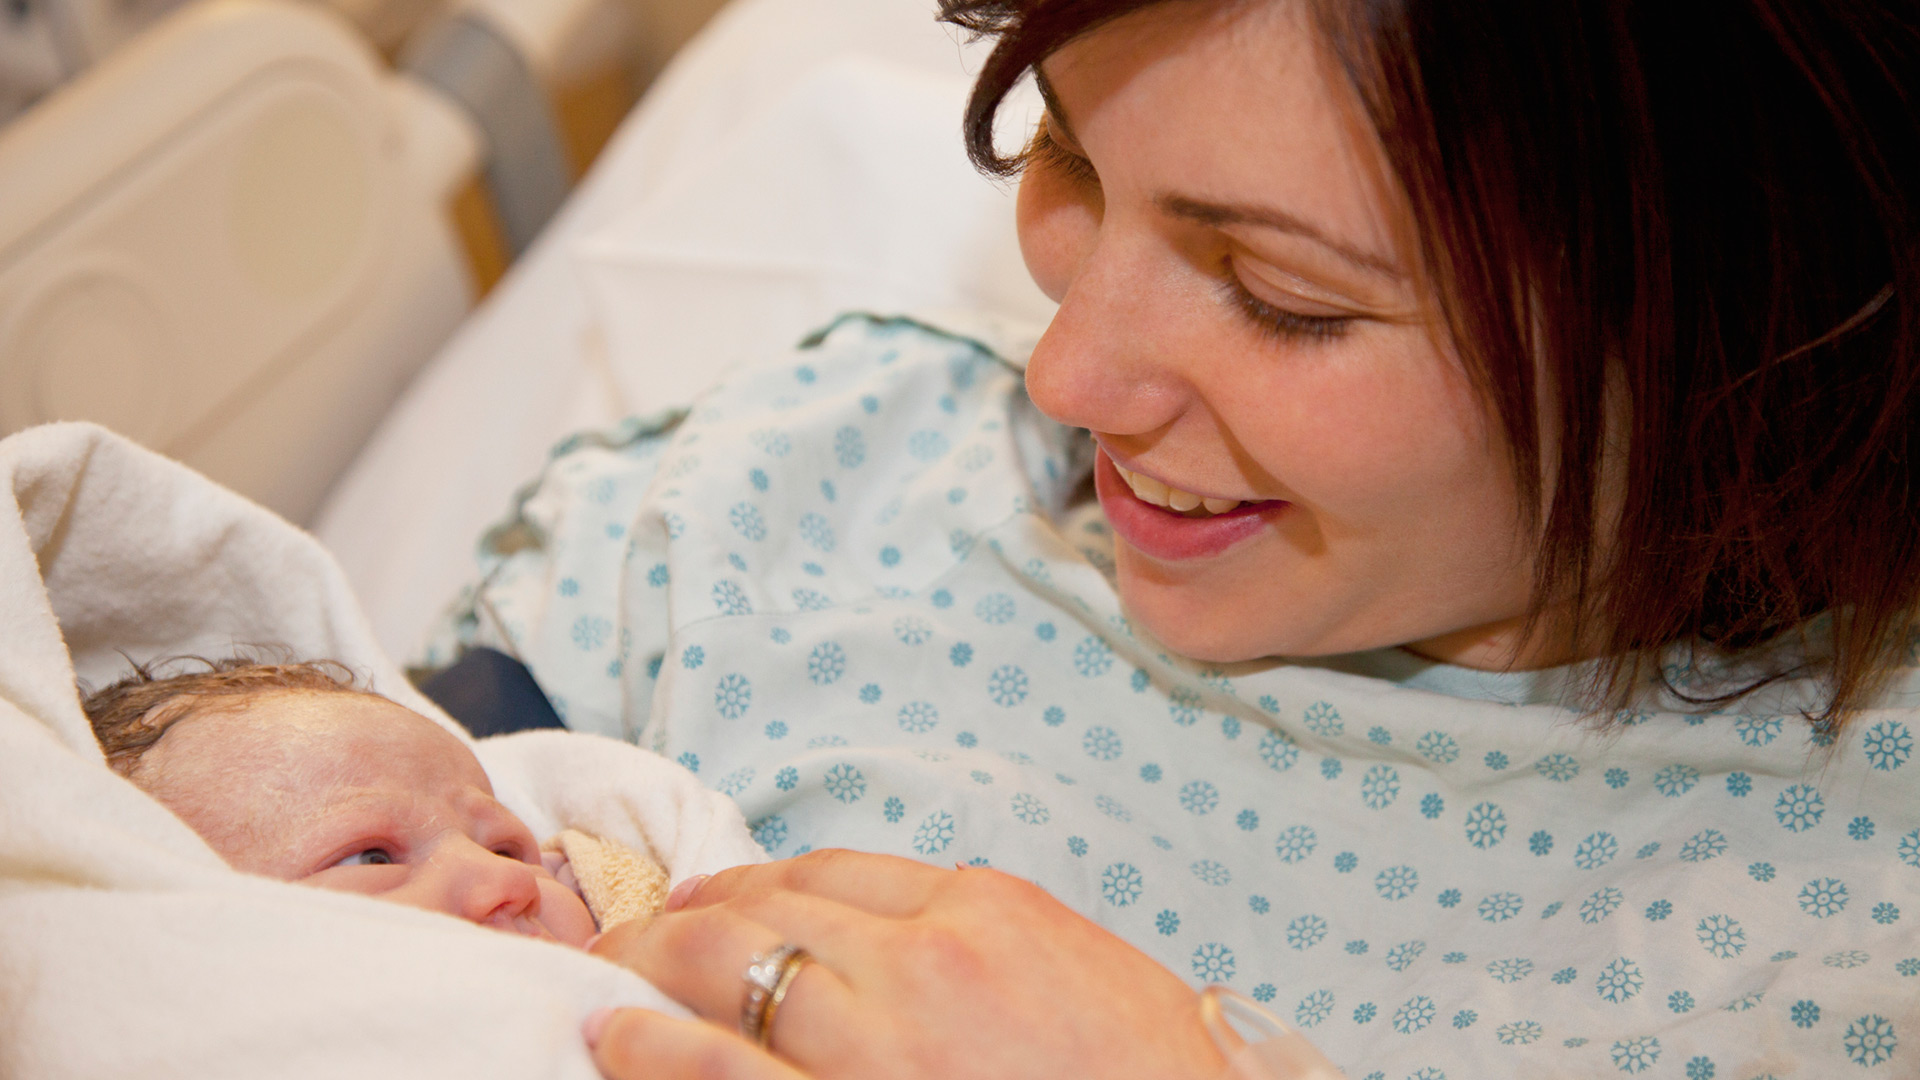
1152 491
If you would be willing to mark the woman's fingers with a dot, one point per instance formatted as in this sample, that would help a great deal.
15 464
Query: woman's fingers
638 1044
883 885
700 957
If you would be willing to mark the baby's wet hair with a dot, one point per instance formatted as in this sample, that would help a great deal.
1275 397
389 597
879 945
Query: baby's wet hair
133 713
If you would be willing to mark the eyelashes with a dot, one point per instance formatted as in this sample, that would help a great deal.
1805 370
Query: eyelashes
1277 322
1044 151
1269 320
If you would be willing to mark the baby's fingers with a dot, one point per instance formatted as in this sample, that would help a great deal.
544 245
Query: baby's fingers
638 1044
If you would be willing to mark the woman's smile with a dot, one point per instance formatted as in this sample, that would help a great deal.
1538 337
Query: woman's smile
1165 522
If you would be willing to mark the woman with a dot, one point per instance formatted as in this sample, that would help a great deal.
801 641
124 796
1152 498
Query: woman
1536 365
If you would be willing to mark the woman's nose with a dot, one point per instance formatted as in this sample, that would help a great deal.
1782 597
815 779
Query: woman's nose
1108 359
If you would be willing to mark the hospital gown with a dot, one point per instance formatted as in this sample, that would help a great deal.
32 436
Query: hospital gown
853 590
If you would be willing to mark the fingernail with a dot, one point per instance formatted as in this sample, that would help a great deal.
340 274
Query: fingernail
683 892
595 1026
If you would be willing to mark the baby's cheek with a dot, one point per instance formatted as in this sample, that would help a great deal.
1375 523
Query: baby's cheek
565 913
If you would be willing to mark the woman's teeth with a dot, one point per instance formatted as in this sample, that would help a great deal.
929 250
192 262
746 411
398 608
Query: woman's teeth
1172 498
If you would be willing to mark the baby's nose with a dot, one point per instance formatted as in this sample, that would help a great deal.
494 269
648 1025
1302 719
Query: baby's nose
489 889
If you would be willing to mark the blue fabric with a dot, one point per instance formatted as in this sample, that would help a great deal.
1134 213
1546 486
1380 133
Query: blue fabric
851 591
491 693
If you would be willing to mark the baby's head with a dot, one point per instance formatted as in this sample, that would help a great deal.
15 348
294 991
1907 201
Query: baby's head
294 772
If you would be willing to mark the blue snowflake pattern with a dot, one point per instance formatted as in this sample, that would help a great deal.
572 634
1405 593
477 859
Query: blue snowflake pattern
1500 907
1496 760
590 632
733 696
1870 1041
1486 825
917 717
845 783
934 833
1184 706
994 609
747 521
1279 751
1432 805
1760 871
1396 882
1616 778
657 575
1199 797
1402 956
1601 904
826 663
1846 959
769 833
1313 1008
1510 970
1636 1055
1379 787
1077 845
1739 784
1757 730
1910 849
1908 967
1804 1013
1464 1019
1296 842
787 778
1260 905
1680 1001
1093 657
1565 976
1121 884
692 657
1799 808
817 532
960 655
1703 845
1213 962
912 630
1559 768
1167 922
1888 745
1364 1012
1541 842
1324 720
1007 686
1824 897
1519 1033
1379 736
1414 1015
1699 1068
1306 931
1676 780
1659 910
849 447
1885 913
1213 872
1101 743
1438 747
1345 862
893 809
1860 828
1619 981
1247 820
1449 898
1722 936
1595 851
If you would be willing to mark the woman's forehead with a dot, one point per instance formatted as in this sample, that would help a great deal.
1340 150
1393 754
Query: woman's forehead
1239 104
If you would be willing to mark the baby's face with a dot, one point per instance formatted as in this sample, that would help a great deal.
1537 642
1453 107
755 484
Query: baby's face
354 793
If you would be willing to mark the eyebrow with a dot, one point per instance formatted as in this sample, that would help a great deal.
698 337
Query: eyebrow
1218 214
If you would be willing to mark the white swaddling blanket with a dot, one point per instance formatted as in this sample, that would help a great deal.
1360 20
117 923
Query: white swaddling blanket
127 947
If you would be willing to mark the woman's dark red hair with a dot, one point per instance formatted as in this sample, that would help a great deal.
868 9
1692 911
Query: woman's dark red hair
1713 208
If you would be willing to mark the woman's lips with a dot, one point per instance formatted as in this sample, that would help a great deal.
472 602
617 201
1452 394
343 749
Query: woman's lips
1164 534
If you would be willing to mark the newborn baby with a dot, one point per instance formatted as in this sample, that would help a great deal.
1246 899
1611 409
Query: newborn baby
291 771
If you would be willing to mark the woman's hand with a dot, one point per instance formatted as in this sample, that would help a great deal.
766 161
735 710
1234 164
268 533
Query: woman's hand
917 973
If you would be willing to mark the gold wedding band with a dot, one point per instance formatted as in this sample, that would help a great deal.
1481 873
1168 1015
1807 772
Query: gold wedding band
769 976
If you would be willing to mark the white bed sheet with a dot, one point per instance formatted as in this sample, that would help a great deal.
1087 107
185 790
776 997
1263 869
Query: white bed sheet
799 158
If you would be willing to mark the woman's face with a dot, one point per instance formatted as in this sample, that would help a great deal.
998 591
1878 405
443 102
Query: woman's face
1242 320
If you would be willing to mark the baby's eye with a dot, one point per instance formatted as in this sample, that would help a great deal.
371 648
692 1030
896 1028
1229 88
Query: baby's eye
370 857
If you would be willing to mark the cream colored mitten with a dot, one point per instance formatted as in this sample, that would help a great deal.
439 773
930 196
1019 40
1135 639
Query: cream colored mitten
618 883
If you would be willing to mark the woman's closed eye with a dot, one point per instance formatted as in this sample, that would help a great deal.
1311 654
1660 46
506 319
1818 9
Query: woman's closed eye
1273 320
1047 152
